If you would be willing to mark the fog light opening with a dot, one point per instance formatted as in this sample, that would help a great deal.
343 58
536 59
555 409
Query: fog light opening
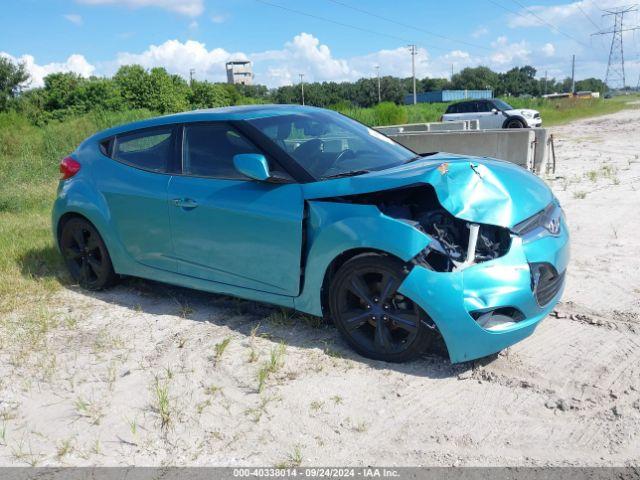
498 319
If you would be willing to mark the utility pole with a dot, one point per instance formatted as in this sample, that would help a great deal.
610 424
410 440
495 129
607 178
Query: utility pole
545 82
451 72
615 76
302 85
573 74
414 52
192 71
377 67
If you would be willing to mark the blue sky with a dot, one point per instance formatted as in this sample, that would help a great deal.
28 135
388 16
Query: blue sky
324 39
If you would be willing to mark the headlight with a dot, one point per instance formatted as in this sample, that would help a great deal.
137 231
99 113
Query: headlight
546 222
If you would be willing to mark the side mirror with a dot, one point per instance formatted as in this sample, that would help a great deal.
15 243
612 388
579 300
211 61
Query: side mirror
252 165
494 111
255 166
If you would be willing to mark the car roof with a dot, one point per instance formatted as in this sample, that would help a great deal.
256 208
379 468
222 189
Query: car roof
473 100
244 112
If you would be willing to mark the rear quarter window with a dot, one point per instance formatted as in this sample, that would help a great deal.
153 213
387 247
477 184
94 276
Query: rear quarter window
452 109
149 149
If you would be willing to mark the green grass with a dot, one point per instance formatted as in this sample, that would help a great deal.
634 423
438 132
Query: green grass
553 112
30 267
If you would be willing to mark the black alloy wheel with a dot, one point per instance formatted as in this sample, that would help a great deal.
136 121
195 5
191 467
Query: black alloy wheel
375 319
86 255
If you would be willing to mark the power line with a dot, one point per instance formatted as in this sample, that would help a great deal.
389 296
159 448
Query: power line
552 27
402 24
550 24
587 16
335 22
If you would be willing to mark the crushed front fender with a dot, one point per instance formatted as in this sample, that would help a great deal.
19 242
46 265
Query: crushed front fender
450 298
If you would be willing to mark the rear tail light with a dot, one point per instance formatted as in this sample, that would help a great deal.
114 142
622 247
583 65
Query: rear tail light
68 168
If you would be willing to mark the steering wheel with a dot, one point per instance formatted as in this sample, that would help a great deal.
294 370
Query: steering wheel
347 153
310 147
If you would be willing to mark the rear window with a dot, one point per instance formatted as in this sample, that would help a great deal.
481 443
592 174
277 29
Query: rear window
149 149
452 109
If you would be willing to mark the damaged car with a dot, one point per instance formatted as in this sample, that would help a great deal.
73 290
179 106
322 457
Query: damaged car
307 209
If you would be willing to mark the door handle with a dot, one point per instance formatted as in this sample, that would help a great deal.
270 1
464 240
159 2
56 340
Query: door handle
186 203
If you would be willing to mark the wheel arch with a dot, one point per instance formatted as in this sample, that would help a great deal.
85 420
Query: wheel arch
339 232
64 219
63 213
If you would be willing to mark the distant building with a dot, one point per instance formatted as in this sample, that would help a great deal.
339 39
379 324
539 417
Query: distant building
439 96
556 96
239 72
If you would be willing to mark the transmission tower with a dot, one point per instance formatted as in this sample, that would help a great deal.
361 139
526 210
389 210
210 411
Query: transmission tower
615 77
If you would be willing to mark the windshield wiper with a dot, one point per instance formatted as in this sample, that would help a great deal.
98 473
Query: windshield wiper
413 159
419 156
349 173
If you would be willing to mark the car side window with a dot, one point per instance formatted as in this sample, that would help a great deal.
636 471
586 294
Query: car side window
484 106
208 150
149 149
452 109
468 107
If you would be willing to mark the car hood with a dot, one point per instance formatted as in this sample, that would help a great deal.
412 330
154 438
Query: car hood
521 111
476 189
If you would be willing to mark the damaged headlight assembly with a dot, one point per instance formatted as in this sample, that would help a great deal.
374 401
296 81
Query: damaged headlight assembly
546 222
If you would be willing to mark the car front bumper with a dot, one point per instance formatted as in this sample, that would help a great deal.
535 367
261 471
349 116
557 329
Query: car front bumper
450 298
534 122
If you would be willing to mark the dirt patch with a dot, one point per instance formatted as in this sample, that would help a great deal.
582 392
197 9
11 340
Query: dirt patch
148 374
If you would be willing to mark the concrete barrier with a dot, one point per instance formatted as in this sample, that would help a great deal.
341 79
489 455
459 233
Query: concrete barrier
543 162
462 125
514 145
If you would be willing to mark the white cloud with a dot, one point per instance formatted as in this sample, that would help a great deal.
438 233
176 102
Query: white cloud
304 54
74 18
219 18
193 25
479 32
75 63
395 62
548 50
178 57
190 8
509 54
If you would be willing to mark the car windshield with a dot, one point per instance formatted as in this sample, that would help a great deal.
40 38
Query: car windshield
502 105
328 144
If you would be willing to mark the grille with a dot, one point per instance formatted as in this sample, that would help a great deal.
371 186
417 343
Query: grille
536 115
546 282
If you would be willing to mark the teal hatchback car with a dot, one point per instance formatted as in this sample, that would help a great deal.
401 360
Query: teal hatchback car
308 209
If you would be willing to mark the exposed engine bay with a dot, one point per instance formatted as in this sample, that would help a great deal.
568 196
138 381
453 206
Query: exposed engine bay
457 243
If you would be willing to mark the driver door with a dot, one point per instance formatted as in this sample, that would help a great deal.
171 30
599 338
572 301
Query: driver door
228 228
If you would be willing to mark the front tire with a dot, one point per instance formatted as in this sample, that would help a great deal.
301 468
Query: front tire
376 320
86 255
515 123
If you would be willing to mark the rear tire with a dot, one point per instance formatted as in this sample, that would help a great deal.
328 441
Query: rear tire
376 320
86 255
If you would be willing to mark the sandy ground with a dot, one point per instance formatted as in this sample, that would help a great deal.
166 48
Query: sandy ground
139 375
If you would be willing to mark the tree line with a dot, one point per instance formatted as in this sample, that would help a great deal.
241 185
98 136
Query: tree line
133 87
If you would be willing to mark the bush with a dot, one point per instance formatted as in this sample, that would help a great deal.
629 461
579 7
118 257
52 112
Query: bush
387 113
209 95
